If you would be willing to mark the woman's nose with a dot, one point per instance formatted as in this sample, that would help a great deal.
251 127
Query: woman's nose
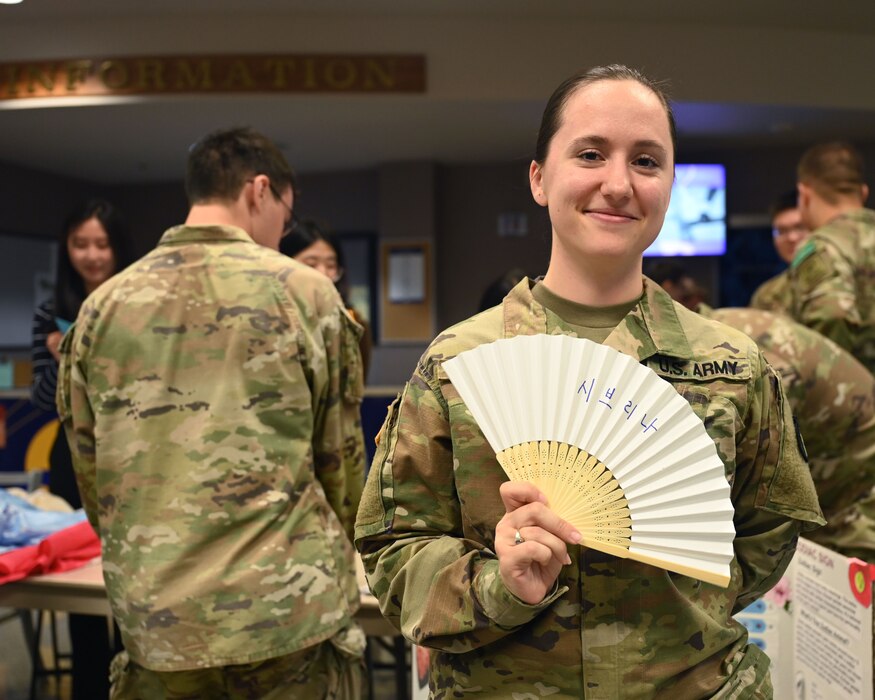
616 183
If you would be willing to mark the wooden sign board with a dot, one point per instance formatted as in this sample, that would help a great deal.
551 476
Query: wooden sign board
162 75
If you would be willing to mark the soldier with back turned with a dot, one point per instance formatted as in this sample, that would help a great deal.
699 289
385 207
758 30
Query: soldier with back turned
831 277
211 395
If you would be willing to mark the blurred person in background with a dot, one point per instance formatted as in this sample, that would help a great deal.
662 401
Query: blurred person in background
310 243
831 278
93 245
495 293
788 233
673 278
833 399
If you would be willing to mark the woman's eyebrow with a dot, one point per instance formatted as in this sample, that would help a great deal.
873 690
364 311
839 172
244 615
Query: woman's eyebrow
600 141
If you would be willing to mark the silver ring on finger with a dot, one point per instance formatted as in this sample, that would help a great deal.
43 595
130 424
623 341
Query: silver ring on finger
517 538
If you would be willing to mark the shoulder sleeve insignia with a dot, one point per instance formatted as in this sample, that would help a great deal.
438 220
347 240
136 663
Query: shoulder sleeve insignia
806 250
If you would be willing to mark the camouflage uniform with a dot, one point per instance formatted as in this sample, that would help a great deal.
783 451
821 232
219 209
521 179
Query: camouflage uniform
832 279
211 396
613 628
774 294
833 399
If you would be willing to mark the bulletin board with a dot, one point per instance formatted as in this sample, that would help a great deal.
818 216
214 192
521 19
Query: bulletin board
406 292
27 265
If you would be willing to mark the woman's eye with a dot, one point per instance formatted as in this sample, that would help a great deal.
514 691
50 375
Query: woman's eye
589 156
646 162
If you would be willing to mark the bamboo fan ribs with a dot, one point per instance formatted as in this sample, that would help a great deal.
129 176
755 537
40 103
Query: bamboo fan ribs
615 449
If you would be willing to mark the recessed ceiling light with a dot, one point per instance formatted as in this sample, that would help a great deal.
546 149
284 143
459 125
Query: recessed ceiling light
9 2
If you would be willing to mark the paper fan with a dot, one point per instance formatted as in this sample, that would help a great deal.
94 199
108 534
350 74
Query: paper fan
615 449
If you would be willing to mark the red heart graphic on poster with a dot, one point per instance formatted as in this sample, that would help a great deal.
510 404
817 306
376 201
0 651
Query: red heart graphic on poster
860 578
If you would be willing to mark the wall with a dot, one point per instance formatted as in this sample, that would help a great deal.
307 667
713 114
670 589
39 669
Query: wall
511 59
454 206
149 210
471 255
34 202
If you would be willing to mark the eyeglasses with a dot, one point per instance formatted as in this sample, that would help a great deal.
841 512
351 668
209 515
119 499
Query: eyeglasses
292 220
787 230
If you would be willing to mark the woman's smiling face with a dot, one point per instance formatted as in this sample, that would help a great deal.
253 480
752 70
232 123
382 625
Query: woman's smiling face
607 177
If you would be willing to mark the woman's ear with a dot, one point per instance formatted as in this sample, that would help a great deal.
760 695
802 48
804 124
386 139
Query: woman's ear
536 183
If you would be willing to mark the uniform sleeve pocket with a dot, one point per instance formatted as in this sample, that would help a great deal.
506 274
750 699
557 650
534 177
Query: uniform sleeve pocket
352 383
62 397
786 486
378 496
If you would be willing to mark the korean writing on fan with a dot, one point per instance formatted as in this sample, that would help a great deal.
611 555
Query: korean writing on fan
629 409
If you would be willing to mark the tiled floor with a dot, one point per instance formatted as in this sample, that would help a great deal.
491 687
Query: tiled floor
15 664
15 667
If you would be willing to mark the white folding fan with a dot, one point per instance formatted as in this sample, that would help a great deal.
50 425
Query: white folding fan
615 449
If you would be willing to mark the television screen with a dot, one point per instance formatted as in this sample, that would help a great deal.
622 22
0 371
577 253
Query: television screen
695 223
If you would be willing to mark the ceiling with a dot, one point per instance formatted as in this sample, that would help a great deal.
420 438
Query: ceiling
835 15
142 140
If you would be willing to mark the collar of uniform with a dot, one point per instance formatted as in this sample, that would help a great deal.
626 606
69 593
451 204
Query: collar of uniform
651 328
522 314
860 214
190 234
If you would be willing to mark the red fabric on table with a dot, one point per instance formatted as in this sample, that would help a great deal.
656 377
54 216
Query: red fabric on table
63 550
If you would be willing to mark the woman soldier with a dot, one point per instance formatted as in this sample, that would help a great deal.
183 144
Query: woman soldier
479 569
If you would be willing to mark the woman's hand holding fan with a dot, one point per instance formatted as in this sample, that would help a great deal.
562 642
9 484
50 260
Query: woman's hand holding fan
531 542
616 451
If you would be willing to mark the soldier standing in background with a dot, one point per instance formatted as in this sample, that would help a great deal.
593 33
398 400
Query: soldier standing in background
478 568
833 399
788 233
211 395
832 274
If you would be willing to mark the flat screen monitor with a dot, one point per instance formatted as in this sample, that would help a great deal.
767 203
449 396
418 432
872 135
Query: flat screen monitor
695 223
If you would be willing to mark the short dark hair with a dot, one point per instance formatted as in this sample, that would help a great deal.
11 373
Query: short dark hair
551 120
667 271
495 293
833 169
69 286
221 162
787 200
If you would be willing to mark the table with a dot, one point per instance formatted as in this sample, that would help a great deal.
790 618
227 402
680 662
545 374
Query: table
82 591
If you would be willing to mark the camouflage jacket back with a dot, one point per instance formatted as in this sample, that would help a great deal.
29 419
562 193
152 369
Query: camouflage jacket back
774 294
613 628
211 395
833 398
832 281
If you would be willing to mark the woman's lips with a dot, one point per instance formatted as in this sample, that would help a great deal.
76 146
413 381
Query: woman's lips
611 216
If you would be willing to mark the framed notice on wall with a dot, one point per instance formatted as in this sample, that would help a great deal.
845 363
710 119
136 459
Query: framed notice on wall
406 275
406 299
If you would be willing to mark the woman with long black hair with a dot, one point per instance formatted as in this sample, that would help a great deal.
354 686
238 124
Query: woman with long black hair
93 246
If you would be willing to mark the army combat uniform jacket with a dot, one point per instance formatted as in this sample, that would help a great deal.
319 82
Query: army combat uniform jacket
774 294
613 628
833 283
211 395
833 399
